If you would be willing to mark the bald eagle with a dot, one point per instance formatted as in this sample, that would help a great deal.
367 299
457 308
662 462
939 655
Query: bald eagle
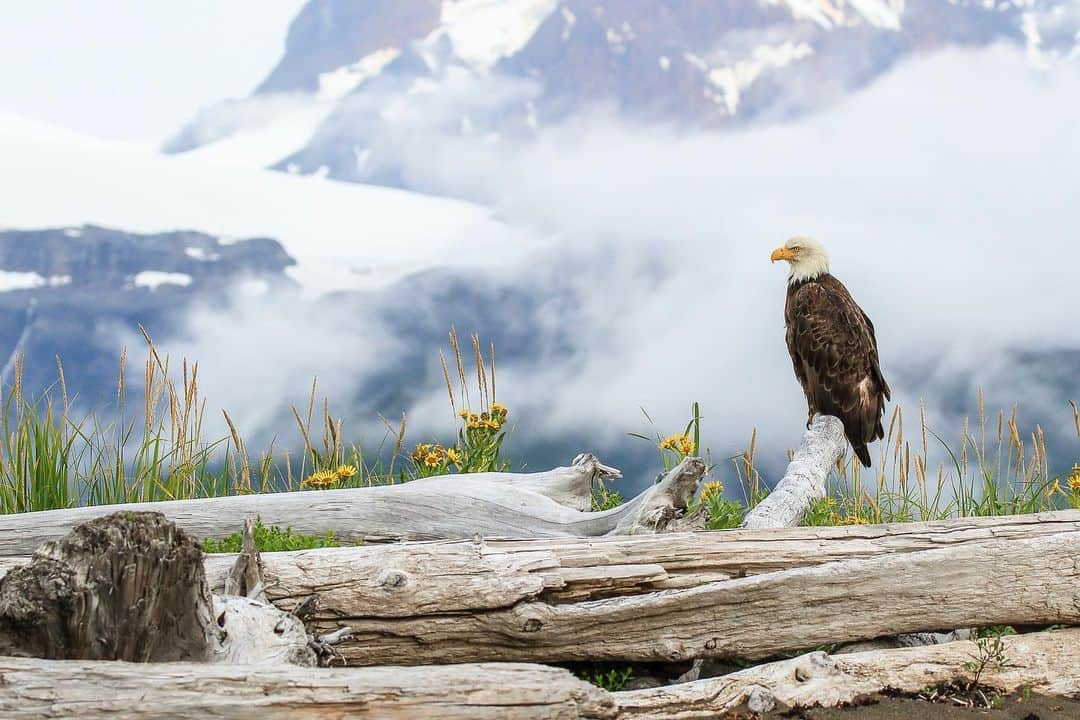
832 346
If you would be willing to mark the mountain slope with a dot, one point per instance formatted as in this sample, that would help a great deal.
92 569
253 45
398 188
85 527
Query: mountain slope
374 74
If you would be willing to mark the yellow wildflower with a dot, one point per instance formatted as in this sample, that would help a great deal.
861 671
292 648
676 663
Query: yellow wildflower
320 479
681 443
454 456
344 472
499 409
421 450
432 459
711 489
1074 479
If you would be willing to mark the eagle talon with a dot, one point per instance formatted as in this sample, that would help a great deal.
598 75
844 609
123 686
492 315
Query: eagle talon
809 419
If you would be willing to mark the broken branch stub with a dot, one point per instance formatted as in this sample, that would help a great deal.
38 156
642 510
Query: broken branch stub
822 446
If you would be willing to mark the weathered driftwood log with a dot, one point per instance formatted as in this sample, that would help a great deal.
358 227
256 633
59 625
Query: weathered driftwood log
87 690
132 586
1045 662
804 480
456 506
675 597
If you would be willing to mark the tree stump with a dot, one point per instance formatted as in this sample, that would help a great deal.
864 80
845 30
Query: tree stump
122 587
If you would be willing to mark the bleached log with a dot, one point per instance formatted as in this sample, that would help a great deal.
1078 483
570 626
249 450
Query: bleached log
804 480
994 582
1045 662
681 596
84 690
456 506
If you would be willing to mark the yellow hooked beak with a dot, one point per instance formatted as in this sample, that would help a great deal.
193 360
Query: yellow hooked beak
782 253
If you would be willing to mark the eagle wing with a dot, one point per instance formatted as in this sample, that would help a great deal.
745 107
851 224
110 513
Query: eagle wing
835 356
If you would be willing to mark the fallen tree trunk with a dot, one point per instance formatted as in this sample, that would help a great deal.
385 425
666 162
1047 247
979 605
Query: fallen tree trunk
1045 662
87 690
455 506
822 446
1017 581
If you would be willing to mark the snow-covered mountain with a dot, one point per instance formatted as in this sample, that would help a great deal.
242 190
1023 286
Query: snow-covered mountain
617 260
355 77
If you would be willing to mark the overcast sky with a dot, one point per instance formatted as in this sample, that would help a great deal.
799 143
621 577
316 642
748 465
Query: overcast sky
134 69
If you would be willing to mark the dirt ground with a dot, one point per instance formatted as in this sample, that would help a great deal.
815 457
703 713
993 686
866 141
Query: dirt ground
1016 707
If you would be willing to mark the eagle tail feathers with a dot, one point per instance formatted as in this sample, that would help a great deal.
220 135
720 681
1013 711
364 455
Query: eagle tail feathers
863 454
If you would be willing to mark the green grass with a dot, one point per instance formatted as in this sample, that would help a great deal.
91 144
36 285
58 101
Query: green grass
996 469
159 450
270 539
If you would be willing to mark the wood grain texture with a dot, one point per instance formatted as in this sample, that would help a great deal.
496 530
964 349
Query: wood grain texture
1046 662
992 582
85 690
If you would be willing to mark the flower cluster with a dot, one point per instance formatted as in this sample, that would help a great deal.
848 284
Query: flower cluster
454 456
429 456
711 490
1074 479
329 478
682 444
491 420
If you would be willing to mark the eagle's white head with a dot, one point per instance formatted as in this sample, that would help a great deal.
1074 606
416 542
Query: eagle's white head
806 257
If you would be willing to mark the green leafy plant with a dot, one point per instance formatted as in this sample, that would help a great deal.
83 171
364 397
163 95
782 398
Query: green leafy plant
722 514
612 679
990 654
270 539
605 499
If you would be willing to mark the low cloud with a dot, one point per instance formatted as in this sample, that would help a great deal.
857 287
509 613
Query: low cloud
945 193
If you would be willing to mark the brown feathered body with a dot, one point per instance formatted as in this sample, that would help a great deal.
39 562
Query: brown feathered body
835 354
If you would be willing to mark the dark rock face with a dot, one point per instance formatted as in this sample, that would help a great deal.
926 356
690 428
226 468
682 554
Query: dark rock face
328 34
80 288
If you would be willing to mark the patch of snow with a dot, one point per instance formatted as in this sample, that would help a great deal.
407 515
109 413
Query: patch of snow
735 78
154 279
883 14
14 280
569 20
196 253
1029 26
483 32
73 232
696 61
51 178
618 37
338 83
832 13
